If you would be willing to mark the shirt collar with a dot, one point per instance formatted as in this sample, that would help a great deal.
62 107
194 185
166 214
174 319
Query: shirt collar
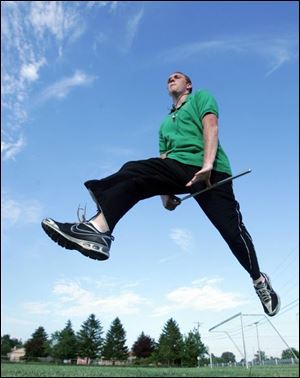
173 109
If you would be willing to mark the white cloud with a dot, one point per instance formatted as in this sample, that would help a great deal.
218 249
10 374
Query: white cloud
72 299
200 298
202 295
9 149
206 281
36 308
132 28
124 33
16 212
29 71
275 51
17 321
108 282
61 88
188 50
183 238
30 31
112 4
54 17
119 151
82 302
25 31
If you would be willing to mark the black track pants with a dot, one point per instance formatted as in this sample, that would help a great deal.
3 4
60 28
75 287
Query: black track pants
138 180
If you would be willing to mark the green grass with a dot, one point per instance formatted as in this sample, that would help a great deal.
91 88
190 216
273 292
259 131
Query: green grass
36 370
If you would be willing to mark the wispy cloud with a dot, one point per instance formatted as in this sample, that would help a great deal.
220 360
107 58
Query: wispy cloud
36 308
132 28
61 88
112 4
183 238
56 18
73 299
17 321
25 31
201 295
275 51
30 32
81 297
30 71
125 29
119 151
11 147
19 212
186 51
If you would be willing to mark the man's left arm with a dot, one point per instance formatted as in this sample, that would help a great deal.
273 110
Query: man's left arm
210 136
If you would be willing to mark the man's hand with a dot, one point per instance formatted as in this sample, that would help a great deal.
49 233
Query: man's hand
170 202
202 175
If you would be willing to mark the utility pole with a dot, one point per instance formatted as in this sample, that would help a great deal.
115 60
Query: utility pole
259 352
197 328
243 337
198 325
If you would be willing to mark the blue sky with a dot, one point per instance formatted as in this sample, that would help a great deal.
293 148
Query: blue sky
84 91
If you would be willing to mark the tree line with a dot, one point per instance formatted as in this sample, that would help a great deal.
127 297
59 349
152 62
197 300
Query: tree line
172 348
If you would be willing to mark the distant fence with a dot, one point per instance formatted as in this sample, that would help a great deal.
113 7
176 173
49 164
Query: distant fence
275 361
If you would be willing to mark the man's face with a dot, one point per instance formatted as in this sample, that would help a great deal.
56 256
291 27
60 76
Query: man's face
177 84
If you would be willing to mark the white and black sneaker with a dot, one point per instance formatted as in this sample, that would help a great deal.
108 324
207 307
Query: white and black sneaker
82 236
269 299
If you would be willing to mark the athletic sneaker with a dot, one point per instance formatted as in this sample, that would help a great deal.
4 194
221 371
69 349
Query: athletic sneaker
269 299
83 237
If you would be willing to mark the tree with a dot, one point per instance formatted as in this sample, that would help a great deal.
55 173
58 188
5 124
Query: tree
89 338
170 344
228 357
115 342
37 345
144 346
193 348
216 359
287 353
65 344
260 356
7 344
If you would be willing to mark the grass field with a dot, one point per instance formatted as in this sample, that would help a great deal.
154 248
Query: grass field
35 370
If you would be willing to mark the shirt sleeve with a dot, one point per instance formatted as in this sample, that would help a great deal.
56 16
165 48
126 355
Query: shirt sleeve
206 103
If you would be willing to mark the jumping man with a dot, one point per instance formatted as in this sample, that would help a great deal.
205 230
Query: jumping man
191 158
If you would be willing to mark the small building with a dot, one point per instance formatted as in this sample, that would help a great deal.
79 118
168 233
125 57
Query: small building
83 361
16 354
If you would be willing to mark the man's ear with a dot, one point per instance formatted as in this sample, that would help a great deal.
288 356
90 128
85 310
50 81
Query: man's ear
189 86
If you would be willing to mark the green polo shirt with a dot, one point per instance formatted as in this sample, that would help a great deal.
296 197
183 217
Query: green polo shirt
181 133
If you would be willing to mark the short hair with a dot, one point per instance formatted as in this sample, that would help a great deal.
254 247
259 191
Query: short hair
188 80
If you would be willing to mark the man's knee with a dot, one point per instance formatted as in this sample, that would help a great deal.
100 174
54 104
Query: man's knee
130 165
141 166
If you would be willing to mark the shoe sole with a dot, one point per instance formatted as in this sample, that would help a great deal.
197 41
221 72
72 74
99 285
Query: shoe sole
89 249
276 310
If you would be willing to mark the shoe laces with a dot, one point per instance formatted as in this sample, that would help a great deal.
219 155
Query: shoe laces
82 217
263 293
